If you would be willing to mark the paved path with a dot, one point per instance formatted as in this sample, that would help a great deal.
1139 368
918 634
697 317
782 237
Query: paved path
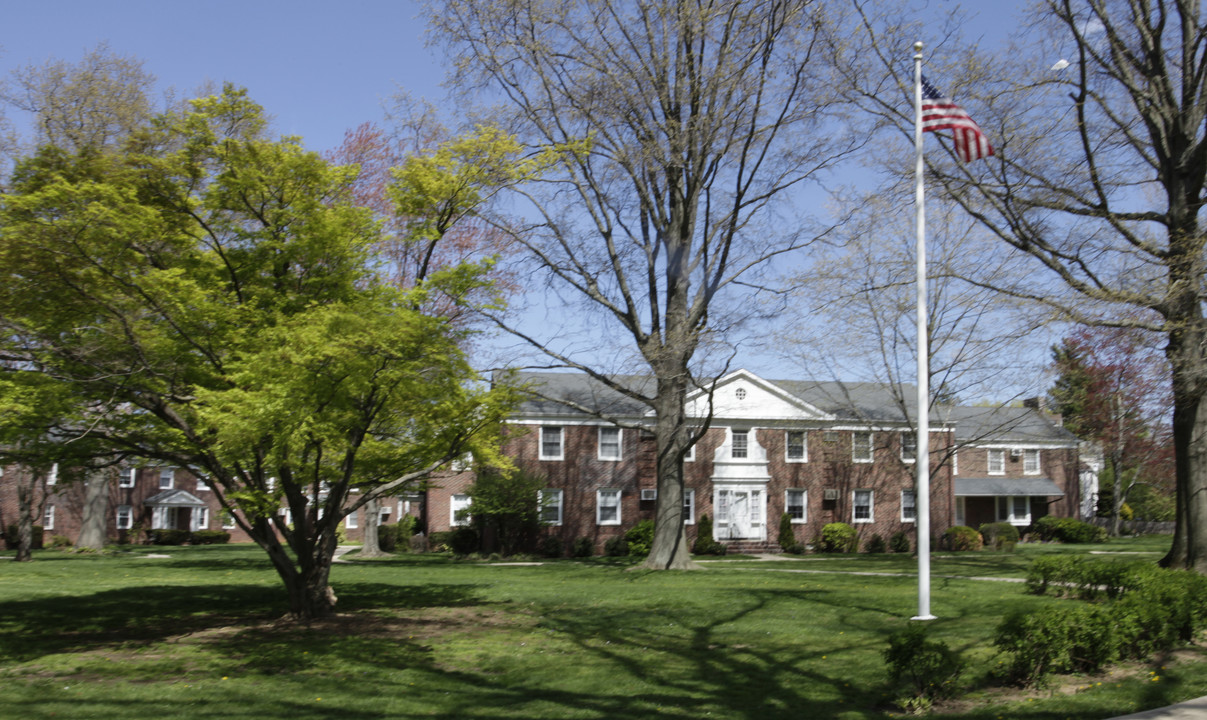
1189 710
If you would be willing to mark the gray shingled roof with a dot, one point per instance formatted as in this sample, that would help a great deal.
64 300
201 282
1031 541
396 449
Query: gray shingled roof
856 401
978 487
1004 424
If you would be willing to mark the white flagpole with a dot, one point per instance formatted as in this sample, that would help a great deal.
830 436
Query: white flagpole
922 454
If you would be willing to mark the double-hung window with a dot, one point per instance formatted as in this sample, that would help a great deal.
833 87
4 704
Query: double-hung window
48 518
609 443
689 507
126 478
909 506
201 519
459 510
166 478
794 505
1014 509
607 507
551 442
909 446
1031 462
551 506
861 447
740 444
52 477
795 449
228 520
351 522
861 506
125 517
997 462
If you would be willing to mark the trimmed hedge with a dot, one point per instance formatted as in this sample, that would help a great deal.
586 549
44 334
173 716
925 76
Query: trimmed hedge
1000 535
210 537
838 537
1144 610
1069 530
962 538
168 537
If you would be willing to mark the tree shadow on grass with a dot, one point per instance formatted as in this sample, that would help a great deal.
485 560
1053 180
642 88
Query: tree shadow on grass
148 614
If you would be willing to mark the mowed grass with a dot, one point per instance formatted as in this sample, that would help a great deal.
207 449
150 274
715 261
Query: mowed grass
197 635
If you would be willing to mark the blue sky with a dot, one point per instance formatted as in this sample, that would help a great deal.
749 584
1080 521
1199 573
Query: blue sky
319 67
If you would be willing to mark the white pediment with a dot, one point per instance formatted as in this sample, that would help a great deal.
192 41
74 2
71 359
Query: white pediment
742 395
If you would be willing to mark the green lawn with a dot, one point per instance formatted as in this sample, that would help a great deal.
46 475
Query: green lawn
194 635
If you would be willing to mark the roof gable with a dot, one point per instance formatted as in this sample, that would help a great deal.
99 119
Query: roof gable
742 395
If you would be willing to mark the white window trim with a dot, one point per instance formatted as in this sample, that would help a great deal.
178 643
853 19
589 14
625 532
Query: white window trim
202 485
48 518
871 446
871 507
1038 462
733 434
129 512
351 522
201 518
804 505
691 453
804 446
52 478
170 475
989 461
561 443
228 521
457 503
914 437
905 519
599 495
550 499
619 444
689 507
955 462
1009 516
127 478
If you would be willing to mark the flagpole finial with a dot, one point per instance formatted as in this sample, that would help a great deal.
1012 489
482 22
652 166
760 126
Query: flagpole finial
918 46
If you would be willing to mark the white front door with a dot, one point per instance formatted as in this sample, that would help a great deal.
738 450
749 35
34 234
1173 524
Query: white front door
739 514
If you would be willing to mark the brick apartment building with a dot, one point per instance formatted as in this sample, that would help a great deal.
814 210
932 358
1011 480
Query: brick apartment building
821 452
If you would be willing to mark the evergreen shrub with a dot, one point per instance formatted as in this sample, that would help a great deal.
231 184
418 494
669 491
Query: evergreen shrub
582 547
929 669
962 538
640 538
875 545
211 537
899 542
1000 535
838 538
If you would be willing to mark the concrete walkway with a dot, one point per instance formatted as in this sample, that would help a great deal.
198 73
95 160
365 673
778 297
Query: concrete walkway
1189 710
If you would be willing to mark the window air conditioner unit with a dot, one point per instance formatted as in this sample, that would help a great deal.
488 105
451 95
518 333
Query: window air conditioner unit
829 494
1015 453
650 494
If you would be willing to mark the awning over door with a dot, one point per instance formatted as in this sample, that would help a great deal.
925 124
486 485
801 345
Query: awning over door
982 487
174 498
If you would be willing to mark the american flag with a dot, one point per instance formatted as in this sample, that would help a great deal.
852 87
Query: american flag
940 113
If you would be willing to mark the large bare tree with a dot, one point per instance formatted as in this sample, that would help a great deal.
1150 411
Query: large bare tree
1098 181
682 128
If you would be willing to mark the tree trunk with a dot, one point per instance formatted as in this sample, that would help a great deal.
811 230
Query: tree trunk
25 521
670 549
95 512
1188 366
307 580
371 548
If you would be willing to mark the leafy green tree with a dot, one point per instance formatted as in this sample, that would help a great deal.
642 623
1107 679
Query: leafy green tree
212 296
506 507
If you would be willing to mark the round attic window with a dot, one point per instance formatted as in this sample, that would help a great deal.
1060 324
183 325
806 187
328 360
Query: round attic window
740 393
